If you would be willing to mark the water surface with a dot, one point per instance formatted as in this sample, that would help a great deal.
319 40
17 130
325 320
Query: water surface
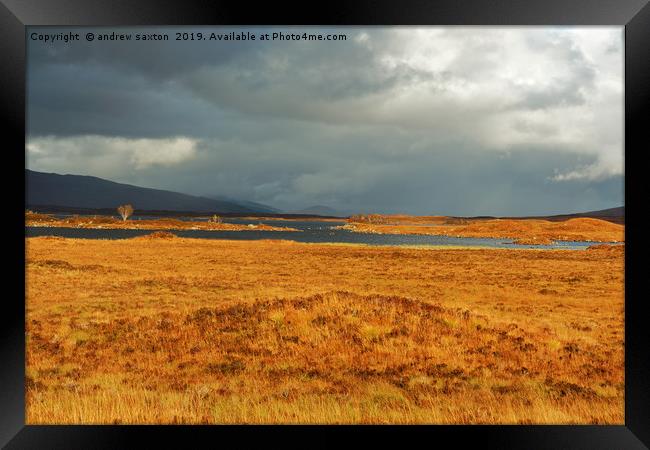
312 231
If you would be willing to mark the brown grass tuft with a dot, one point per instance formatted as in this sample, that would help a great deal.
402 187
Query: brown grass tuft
157 235
614 249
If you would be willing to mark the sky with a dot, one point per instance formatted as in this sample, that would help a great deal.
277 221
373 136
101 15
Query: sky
433 120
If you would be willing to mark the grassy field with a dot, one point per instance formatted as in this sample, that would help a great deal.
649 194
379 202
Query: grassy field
522 231
171 330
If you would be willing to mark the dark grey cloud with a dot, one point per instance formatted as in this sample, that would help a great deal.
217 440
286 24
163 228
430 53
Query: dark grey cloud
415 120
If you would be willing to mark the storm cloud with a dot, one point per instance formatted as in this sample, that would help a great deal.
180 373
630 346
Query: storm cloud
459 121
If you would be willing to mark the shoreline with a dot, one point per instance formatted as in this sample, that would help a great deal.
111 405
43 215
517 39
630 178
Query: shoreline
523 232
518 232
110 223
447 247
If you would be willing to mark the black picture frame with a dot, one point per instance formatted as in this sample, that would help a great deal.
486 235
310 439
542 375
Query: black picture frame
15 15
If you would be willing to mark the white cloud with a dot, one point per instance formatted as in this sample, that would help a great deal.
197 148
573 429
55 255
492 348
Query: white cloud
107 156
164 152
607 165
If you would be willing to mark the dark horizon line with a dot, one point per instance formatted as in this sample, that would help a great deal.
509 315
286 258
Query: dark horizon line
53 209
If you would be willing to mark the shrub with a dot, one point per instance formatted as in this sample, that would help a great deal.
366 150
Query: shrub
368 218
157 235
30 215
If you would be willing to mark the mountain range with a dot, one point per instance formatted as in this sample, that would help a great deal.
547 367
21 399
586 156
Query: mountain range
87 194
80 191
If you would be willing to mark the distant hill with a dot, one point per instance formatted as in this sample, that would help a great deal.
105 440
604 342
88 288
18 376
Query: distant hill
320 210
78 191
616 215
258 207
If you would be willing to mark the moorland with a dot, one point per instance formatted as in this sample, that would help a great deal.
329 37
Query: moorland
162 329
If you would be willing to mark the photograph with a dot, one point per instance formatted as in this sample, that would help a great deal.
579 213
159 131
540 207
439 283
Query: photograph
392 225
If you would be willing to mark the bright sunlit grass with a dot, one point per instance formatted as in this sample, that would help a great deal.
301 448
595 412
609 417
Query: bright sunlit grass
200 331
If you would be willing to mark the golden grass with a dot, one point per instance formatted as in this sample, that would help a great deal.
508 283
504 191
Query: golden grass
107 222
178 330
523 231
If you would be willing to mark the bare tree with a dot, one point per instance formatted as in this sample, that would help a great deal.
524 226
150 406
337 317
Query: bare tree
125 211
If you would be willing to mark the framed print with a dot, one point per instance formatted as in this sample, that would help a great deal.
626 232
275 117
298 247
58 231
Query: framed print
409 217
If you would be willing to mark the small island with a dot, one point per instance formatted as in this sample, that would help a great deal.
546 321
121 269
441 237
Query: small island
214 223
521 231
